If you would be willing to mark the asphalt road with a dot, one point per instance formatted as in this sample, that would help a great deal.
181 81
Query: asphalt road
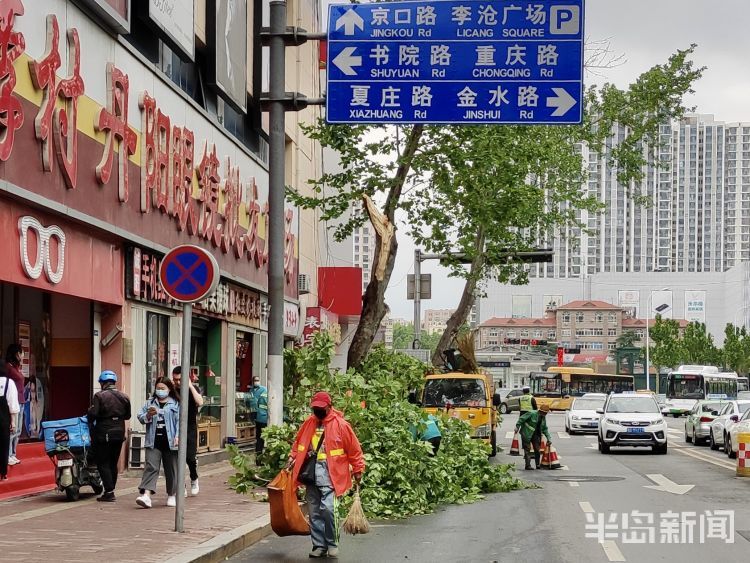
551 523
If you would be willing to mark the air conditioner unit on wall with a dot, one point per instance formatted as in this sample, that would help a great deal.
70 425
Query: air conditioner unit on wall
303 284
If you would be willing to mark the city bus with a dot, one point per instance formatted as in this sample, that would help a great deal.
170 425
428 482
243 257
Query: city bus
559 385
688 384
742 384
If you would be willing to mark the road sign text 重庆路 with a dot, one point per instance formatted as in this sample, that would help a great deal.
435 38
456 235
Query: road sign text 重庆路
456 61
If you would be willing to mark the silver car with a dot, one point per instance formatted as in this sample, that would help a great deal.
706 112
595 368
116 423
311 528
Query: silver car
699 419
582 416
727 417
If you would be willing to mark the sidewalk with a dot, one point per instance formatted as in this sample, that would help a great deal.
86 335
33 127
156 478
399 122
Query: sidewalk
218 523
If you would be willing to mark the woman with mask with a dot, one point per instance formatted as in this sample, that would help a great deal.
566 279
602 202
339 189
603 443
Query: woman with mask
330 440
161 415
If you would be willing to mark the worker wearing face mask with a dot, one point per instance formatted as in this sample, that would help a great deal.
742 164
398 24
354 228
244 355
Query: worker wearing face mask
330 439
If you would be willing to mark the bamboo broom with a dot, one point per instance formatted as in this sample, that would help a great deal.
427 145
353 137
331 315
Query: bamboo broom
356 521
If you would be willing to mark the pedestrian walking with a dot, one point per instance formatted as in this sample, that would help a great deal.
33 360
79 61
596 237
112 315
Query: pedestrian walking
161 415
195 402
531 426
13 361
257 400
107 415
9 408
328 441
526 402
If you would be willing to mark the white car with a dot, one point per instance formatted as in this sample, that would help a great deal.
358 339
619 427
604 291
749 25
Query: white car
742 426
631 419
723 423
582 416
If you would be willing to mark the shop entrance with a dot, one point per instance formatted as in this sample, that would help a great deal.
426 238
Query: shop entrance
55 332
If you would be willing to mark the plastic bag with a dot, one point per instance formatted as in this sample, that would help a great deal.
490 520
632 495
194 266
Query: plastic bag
286 515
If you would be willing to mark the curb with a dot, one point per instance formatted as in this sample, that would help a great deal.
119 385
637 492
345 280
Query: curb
227 544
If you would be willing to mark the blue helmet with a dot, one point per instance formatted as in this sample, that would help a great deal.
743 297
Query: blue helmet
108 376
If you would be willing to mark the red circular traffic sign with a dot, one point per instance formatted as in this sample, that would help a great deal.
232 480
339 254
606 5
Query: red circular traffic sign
189 273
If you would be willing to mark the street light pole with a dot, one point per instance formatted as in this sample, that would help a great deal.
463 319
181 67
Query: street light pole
648 346
276 188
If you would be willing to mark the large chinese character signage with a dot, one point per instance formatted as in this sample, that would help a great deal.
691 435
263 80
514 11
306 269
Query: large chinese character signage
456 61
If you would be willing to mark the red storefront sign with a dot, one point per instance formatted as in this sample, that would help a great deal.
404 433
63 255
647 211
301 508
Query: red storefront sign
225 214
48 253
317 319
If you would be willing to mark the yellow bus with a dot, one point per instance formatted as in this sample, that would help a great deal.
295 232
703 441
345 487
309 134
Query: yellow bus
558 386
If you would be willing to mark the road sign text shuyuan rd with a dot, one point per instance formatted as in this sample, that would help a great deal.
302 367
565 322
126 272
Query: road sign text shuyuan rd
456 61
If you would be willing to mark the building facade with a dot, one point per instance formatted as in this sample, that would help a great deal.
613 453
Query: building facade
435 320
589 325
126 133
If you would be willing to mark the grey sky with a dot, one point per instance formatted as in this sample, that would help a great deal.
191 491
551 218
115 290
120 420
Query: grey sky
646 32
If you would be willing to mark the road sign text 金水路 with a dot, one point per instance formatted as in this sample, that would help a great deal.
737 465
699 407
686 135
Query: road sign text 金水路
451 61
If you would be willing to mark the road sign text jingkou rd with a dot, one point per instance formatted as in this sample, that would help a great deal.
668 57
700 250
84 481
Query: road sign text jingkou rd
456 61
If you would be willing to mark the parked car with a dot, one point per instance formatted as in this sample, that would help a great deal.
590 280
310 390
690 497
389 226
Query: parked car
699 419
503 392
732 443
630 419
582 416
723 422
512 401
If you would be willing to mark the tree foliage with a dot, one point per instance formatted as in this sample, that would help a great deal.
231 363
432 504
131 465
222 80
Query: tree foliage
736 352
666 348
401 478
698 346
627 339
403 337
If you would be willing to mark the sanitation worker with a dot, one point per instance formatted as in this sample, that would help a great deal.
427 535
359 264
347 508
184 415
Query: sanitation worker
327 441
531 426
527 402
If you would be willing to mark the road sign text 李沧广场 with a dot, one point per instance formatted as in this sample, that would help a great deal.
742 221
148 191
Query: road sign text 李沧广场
456 61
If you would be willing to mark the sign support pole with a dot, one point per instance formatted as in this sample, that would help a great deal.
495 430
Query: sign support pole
417 299
187 322
276 183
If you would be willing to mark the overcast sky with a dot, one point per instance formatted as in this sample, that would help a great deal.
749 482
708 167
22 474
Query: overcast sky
645 32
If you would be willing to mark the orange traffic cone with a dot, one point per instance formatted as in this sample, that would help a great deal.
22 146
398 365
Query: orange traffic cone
515 446
544 464
554 459
543 444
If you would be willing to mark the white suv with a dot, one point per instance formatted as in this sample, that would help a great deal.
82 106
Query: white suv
631 419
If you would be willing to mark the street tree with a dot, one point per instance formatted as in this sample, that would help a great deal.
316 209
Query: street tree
666 346
697 346
736 352
403 337
627 339
485 191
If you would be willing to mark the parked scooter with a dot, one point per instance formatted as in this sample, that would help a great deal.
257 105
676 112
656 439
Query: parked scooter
74 469
68 444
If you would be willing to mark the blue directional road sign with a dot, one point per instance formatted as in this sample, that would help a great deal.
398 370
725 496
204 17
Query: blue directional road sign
456 61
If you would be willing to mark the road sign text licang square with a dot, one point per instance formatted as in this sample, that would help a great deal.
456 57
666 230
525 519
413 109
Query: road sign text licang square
456 61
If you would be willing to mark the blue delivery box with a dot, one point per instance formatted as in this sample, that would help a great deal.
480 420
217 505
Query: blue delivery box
70 433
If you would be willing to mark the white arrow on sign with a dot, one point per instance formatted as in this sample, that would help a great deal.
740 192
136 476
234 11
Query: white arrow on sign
562 101
345 61
349 21
667 485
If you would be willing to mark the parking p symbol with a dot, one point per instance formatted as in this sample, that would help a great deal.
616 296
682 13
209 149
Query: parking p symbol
565 20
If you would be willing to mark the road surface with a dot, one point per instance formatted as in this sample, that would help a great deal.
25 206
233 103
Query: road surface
551 523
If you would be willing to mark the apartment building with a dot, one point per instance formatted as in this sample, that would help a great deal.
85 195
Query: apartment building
698 182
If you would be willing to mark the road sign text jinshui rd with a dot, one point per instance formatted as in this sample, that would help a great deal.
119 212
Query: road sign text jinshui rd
456 61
